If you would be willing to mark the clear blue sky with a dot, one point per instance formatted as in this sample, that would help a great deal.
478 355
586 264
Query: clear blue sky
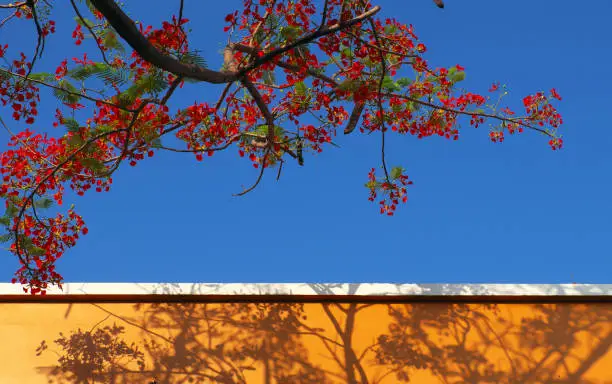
478 211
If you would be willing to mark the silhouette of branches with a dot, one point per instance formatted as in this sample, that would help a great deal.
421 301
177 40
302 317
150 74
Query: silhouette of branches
352 343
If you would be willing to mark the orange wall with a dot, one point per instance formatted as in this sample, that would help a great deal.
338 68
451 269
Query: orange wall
429 343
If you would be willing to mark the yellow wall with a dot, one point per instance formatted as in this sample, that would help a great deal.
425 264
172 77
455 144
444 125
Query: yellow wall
429 343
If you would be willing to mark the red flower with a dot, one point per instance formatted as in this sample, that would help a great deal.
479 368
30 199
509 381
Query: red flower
553 93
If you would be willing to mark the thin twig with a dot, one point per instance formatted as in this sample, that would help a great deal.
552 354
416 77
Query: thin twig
67 91
383 65
76 10
261 172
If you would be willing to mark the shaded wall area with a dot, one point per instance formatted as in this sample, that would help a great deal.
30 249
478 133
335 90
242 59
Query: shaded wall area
282 343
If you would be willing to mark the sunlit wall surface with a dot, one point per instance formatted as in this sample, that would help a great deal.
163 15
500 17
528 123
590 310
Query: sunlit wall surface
310 342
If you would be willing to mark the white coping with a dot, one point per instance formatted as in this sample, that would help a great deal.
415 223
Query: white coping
350 289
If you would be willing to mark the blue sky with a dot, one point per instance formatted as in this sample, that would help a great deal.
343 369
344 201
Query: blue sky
477 212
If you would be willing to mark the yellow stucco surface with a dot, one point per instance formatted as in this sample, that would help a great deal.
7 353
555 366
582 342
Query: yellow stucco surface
425 343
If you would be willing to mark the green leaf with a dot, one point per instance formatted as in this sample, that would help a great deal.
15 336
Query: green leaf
262 130
85 22
102 71
71 124
300 88
5 220
112 75
349 85
290 32
149 84
80 73
35 251
94 164
11 210
403 82
43 203
458 76
413 106
109 40
396 172
103 128
6 237
127 98
75 141
42 76
397 107
347 52
193 57
390 29
389 84
63 94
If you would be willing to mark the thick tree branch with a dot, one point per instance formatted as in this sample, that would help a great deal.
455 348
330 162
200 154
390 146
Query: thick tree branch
126 28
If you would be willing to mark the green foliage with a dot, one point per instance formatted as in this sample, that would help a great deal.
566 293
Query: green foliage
403 82
74 141
110 41
390 29
349 85
103 129
11 210
262 130
455 75
34 250
300 88
5 220
42 76
413 107
102 71
6 237
43 203
193 57
396 172
290 32
459 76
152 84
389 84
93 164
71 124
347 52
85 22
67 93
372 184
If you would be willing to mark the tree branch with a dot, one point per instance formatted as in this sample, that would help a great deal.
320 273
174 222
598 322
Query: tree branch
309 38
126 28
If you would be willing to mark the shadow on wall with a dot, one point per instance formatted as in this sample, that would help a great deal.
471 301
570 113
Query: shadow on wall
285 343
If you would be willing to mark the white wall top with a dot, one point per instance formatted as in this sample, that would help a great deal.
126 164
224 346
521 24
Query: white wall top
324 289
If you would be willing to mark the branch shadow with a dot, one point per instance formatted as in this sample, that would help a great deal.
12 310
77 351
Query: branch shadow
354 343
